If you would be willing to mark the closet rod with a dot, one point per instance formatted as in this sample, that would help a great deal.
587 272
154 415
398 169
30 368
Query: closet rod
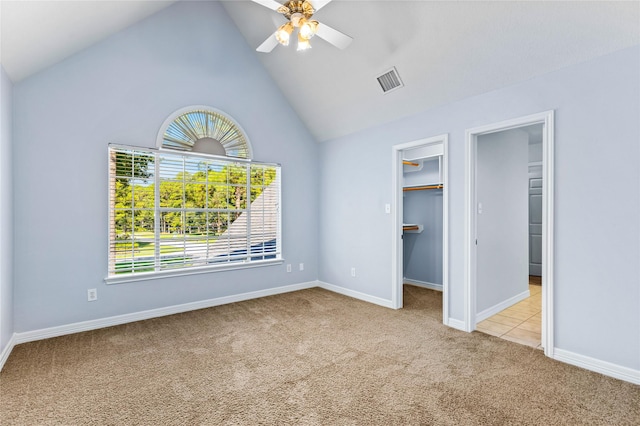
410 163
411 228
420 188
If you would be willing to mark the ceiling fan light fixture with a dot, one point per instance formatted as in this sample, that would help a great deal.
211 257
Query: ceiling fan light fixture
308 29
297 19
299 14
284 33
303 43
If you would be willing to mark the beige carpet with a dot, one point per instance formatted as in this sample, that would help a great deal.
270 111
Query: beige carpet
309 357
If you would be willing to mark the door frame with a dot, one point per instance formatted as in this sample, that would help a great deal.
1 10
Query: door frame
397 255
547 119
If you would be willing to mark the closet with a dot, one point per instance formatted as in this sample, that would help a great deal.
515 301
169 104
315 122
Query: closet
423 216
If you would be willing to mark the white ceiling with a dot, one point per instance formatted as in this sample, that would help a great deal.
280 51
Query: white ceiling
37 34
443 51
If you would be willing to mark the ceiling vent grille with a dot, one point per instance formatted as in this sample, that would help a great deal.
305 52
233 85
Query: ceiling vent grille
390 80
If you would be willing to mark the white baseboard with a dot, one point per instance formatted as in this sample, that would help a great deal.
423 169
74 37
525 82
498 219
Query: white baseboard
603 367
481 316
4 355
45 333
425 284
356 294
457 324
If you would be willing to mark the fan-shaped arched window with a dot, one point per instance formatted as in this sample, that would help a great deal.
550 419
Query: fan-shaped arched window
205 130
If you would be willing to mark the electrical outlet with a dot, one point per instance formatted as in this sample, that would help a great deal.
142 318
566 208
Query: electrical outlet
92 294
353 272
288 267
302 266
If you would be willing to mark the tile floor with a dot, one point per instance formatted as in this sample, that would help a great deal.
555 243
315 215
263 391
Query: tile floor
520 323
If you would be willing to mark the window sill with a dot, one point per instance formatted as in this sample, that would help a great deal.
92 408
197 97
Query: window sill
144 276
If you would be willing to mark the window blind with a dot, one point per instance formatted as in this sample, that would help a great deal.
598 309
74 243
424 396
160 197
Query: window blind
171 211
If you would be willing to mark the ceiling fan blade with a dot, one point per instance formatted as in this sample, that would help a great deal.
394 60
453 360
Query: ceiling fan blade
271 4
269 44
333 36
319 4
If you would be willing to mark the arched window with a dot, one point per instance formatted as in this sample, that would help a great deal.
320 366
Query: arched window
205 130
174 211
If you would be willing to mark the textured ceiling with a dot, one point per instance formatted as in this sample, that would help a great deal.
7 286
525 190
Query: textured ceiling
443 51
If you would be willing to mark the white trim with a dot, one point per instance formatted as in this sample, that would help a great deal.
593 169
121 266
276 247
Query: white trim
4 355
445 228
144 276
548 233
489 312
423 284
184 110
357 295
397 217
191 154
547 119
469 243
603 367
45 333
455 323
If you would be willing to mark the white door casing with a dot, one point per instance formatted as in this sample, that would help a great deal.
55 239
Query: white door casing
397 218
547 120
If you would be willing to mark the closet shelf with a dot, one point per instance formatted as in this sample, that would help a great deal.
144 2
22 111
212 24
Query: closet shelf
412 228
422 187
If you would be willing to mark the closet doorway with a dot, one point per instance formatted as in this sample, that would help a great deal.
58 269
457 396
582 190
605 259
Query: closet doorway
420 218
500 231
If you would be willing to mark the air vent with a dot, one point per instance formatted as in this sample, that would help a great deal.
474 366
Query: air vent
390 80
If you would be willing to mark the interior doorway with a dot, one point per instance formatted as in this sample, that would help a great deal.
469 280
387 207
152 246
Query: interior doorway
420 168
498 227
509 219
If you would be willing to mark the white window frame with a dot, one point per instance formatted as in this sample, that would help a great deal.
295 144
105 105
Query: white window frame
239 262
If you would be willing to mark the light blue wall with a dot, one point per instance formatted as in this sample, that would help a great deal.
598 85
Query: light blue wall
502 187
422 253
6 210
121 90
597 104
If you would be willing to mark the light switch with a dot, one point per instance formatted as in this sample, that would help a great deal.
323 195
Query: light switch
387 208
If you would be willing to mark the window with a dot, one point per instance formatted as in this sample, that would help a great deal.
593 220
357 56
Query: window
175 212
206 130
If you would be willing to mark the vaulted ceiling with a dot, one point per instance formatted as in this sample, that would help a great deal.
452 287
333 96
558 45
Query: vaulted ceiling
443 51
37 34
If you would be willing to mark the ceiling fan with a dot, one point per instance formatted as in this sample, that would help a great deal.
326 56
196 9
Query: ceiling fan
298 14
